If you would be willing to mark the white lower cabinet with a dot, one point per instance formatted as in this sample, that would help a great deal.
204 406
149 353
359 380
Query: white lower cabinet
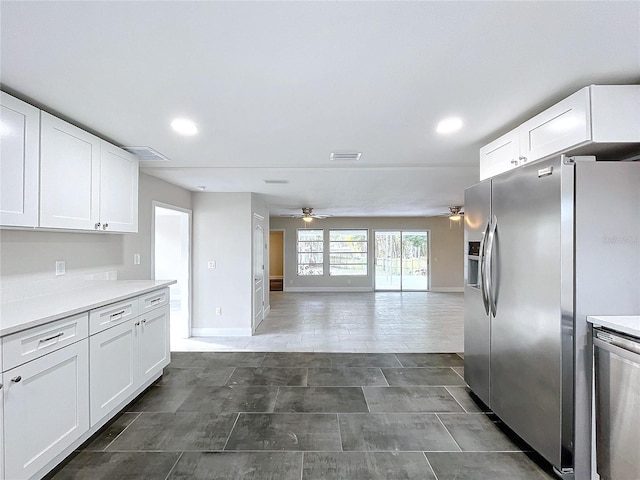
46 408
126 356
153 343
113 368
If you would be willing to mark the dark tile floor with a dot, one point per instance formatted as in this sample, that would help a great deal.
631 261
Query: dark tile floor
306 416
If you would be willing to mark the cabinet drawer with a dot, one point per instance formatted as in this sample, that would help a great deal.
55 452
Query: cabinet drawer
110 315
152 300
35 342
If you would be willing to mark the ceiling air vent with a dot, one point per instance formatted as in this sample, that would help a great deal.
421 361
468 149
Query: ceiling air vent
345 156
146 154
276 182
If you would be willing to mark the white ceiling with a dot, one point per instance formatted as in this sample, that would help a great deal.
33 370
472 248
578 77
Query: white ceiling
275 87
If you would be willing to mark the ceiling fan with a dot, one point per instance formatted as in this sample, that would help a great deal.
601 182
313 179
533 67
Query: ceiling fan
455 213
307 215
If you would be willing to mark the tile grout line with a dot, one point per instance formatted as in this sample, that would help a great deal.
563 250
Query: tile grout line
446 387
231 431
174 466
339 432
430 466
124 430
445 427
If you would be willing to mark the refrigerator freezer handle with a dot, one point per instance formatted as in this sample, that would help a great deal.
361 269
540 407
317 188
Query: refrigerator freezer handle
483 277
489 265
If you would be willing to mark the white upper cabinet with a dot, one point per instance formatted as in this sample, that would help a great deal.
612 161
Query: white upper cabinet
561 126
69 175
500 155
606 115
86 183
118 189
19 157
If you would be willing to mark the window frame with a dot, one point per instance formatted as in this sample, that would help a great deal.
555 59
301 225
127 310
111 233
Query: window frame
310 265
365 263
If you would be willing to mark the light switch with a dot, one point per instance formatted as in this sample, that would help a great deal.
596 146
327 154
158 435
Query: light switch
136 259
218 310
211 264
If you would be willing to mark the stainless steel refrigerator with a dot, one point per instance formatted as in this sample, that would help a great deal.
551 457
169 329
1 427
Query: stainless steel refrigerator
546 245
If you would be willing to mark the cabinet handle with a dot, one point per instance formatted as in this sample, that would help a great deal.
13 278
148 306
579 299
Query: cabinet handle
137 323
104 227
42 340
97 226
514 162
16 379
119 315
144 321
523 159
155 301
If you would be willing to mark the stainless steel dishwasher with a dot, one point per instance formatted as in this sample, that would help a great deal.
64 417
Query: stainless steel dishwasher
617 371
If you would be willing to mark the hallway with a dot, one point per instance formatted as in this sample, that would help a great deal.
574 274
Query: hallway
368 322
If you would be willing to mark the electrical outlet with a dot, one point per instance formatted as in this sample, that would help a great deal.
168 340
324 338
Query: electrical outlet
218 310
211 264
60 267
136 259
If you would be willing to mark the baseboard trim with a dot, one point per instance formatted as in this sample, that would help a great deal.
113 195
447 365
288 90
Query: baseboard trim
221 332
448 289
329 289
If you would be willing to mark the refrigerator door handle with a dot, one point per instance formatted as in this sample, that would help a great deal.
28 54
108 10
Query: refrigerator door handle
489 265
483 282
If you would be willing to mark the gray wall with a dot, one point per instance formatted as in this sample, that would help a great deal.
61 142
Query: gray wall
27 255
446 251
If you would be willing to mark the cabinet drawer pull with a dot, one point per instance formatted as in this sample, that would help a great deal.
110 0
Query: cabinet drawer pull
16 379
119 315
105 226
137 323
97 226
155 301
42 340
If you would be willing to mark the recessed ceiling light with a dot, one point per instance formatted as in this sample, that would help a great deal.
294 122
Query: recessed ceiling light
449 125
184 126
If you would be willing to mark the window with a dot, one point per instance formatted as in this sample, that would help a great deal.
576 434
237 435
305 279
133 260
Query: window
348 252
310 252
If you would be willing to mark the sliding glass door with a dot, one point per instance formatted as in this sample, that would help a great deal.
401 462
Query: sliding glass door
402 260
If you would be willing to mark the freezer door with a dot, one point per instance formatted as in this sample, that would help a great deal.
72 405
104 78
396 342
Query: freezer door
477 327
526 333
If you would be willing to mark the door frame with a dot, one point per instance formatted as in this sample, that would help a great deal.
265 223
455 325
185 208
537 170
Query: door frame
258 222
189 212
401 231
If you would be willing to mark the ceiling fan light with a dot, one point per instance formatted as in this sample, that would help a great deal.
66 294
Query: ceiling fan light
307 219
455 217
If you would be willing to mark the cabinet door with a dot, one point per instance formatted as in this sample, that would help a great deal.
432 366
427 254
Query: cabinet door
1 419
560 127
500 155
19 162
118 189
69 175
154 342
114 365
46 408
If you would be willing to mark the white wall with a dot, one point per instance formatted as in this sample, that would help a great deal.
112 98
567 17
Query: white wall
222 233
29 255
446 251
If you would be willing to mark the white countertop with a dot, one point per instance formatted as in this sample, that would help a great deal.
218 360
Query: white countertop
629 324
20 314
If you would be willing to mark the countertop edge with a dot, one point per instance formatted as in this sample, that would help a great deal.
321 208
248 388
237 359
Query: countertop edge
628 324
85 307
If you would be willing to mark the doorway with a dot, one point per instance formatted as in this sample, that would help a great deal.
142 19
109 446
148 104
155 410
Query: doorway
402 260
276 260
172 260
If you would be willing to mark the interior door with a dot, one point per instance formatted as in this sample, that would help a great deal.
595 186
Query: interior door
258 272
